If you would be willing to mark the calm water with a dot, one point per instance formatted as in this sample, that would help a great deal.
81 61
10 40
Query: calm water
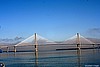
64 58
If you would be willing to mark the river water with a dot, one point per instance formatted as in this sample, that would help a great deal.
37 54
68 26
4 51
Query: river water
53 58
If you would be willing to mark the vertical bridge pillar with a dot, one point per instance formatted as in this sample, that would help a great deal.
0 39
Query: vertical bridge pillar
36 45
78 41
7 49
78 50
36 51
14 48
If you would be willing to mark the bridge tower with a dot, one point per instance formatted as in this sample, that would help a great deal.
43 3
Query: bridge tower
36 50
36 44
7 49
14 48
78 41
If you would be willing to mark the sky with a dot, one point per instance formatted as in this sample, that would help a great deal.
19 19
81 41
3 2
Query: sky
53 19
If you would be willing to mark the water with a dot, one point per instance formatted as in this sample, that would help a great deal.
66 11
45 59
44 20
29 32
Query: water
62 58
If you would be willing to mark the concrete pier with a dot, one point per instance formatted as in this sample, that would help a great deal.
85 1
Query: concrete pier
14 48
78 41
36 45
7 49
36 51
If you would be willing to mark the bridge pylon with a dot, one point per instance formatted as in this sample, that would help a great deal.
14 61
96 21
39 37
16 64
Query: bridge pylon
78 41
14 48
36 44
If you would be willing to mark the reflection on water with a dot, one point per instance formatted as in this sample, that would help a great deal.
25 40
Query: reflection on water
79 57
36 59
64 58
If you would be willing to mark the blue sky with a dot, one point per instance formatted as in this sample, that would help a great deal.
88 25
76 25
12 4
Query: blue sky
52 19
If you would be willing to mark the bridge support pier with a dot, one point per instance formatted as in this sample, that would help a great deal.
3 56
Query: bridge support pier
7 49
36 51
93 46
78 41
36 45
14 48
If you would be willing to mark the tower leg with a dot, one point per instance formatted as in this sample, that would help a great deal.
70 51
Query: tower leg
36 45
7 49
14 48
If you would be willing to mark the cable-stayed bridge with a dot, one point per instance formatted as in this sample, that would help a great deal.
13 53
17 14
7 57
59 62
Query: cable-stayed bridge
31 41
73 40
43 43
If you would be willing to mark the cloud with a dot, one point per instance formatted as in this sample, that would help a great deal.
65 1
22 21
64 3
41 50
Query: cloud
18 38
94 32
